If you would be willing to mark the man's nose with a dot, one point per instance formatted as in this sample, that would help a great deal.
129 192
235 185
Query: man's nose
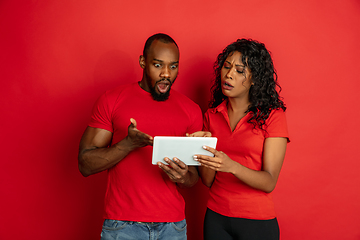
165 73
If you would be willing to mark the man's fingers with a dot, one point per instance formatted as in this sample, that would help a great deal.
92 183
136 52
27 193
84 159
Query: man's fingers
180 163
147 137
172 163
138 137
164 167
133 122
170 172
175 170
176 164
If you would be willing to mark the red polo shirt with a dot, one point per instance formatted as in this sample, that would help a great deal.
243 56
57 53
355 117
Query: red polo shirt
228 195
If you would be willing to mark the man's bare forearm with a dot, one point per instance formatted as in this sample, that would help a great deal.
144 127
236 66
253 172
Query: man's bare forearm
97 159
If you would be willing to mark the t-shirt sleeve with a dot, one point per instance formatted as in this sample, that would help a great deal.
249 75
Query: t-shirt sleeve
101 114
206 126
197 121
277 125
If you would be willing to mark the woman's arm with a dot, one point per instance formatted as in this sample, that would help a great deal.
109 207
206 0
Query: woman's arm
207 175
266 179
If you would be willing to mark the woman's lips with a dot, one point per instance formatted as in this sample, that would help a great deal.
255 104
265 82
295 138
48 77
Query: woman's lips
227 86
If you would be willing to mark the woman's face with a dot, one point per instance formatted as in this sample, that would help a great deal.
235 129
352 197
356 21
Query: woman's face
235 77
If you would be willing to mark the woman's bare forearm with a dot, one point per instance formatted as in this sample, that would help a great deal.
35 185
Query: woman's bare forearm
207 175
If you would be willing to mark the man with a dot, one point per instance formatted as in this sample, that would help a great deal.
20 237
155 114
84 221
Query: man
142 200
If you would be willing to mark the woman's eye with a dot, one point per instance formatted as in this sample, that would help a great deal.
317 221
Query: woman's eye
226 67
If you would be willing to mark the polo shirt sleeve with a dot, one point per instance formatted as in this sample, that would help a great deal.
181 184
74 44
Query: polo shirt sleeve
276 125
101 114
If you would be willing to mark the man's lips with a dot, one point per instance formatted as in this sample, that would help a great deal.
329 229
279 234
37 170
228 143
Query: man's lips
163 86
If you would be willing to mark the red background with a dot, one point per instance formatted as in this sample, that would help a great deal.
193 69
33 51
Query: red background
57 57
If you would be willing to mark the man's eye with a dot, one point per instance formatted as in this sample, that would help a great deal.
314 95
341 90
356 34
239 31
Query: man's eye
157 65
173 67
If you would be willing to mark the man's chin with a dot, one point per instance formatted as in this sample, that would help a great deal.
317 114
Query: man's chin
160 96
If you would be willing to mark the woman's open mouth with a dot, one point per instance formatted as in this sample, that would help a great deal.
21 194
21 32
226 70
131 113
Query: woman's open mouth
227 86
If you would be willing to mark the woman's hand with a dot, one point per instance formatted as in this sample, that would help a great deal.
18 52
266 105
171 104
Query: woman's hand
199 134
265 179
220 162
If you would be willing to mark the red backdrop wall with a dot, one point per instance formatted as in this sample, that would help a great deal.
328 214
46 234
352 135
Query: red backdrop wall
57 57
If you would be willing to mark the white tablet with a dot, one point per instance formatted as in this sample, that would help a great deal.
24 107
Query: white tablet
183 148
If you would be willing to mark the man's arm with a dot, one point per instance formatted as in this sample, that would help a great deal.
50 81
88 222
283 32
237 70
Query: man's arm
181 174
95 155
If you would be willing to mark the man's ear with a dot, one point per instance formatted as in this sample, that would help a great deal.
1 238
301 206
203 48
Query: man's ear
142 61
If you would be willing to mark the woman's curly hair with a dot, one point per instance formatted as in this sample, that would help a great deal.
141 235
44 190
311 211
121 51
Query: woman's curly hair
263 95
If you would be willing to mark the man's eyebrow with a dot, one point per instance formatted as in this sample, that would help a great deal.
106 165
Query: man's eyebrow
158 60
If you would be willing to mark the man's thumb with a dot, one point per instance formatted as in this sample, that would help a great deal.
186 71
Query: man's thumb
133 122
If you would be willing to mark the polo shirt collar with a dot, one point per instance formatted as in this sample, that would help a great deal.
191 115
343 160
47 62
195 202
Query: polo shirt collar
221 107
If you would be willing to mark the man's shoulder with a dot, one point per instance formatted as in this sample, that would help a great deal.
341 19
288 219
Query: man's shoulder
121 88
186 104
182 98
116 92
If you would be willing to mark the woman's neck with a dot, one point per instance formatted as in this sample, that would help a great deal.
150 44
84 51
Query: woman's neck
238 104
237 109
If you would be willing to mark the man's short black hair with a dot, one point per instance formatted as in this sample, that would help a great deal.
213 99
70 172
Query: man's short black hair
160 37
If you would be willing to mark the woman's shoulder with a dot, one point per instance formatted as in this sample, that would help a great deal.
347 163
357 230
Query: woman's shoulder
277 112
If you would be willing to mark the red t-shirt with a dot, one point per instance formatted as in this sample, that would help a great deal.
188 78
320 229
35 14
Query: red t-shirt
228 195
136 189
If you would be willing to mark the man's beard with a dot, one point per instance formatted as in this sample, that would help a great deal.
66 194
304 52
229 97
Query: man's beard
159 96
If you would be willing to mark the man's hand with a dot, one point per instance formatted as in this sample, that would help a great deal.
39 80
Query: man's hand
179 172
136 137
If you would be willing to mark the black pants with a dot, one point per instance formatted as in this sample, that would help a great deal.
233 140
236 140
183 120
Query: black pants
219 227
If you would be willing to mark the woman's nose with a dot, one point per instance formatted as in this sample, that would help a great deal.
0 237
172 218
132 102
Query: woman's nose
230 73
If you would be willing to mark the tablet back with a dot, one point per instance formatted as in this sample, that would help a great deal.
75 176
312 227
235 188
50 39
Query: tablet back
184 148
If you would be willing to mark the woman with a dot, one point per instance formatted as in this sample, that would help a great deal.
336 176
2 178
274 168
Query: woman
247 116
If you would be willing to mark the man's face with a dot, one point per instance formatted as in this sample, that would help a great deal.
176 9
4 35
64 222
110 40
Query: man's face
160 69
